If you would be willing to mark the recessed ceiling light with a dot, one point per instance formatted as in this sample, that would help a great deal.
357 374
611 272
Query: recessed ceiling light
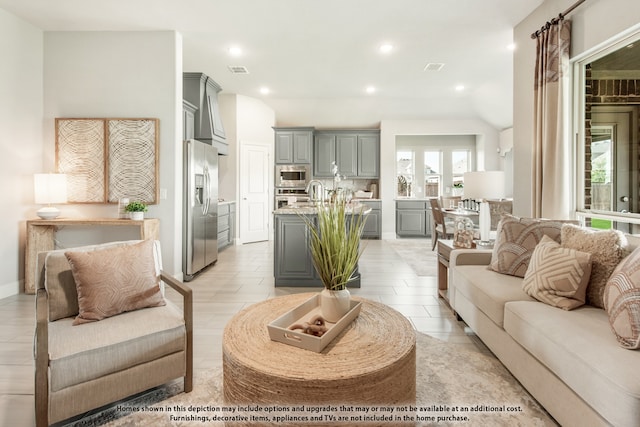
371 89
235 51
386 48
265 90
511 46
459 88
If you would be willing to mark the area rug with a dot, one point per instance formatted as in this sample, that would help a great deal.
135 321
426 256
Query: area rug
418 254
455 387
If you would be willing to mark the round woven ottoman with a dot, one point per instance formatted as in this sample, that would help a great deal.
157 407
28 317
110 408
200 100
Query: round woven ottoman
371 362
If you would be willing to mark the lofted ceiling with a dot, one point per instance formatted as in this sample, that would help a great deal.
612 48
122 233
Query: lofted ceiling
318 57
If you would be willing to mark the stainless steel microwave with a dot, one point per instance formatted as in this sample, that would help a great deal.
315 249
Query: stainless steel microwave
292 175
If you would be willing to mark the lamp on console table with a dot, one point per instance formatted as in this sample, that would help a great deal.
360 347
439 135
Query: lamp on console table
49 188
482 186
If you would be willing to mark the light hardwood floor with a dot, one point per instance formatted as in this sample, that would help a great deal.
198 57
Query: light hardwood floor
242 276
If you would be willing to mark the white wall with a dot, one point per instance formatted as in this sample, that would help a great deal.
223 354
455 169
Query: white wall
594 22
120 74
487 143
21 141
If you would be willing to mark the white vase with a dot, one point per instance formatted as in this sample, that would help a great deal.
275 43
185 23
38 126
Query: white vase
334 304
136 216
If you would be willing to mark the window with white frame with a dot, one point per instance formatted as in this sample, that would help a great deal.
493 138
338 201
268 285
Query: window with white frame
405 172
432 173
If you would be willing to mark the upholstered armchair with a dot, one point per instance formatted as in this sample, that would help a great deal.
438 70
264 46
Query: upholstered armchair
99 339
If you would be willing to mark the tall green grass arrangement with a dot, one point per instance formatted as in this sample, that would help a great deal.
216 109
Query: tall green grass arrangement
335 243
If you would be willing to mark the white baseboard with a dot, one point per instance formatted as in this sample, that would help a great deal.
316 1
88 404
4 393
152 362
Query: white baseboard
9 289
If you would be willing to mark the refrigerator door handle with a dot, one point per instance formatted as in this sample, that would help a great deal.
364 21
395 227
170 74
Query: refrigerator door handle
207 186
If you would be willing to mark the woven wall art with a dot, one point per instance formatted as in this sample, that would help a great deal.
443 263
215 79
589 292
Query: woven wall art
132 165
108 159
80 153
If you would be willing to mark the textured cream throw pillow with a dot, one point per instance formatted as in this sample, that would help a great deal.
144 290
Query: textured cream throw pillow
557 276
516 238
113 281
622 301
607 248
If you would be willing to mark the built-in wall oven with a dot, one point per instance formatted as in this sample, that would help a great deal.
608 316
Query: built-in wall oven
292 176
284 195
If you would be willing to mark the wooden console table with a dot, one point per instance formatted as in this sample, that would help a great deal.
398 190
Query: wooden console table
41 237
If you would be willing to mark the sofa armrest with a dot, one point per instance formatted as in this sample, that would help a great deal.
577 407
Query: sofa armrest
41 350
187 295
470 257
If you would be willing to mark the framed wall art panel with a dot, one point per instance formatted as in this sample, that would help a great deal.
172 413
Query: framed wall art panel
132 163
80 154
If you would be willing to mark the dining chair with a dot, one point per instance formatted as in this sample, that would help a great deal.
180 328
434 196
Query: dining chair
439 224
450 202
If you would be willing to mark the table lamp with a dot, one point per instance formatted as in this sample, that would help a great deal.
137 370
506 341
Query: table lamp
49 188
482 186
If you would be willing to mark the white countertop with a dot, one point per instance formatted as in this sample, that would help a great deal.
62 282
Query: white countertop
306 209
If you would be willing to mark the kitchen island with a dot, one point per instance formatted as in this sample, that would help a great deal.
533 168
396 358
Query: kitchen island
292 262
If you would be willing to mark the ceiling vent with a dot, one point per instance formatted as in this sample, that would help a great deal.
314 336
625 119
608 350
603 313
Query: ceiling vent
238 69
434 66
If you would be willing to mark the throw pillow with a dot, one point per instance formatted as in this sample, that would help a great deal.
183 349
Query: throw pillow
113 281
557 276
622 301
516 238
607 248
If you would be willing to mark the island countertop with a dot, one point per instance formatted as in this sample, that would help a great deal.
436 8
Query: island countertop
310 209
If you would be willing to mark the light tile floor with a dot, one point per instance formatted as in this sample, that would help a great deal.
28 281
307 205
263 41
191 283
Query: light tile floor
242 276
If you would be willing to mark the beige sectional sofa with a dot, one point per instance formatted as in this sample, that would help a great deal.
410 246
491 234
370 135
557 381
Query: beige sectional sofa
570 361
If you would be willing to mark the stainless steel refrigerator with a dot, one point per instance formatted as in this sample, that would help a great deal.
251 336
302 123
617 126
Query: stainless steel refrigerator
200 246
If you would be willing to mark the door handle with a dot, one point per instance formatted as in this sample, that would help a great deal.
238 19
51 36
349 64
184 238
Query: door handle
624 198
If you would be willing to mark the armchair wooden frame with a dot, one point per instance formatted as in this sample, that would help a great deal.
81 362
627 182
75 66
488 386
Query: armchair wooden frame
42 345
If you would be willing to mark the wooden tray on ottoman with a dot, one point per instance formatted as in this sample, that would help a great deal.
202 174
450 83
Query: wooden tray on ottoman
279 329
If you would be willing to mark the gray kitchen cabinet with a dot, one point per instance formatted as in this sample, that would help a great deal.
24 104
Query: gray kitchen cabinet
373 225
356 152
369 156
188 120
292 258
226 224
293 145
292 262
324 153
201 91
413 218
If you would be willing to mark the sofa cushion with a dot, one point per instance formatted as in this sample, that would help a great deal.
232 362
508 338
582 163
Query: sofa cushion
81 354
115 280
557 276
488 290
622 301
607 248
579 348
516 238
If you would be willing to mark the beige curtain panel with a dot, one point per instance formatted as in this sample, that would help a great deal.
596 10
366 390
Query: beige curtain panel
551 149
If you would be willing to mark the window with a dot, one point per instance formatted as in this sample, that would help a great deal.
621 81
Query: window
405 171
432 173
460 163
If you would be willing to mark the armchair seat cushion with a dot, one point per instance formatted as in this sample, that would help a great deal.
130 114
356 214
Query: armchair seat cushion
79 354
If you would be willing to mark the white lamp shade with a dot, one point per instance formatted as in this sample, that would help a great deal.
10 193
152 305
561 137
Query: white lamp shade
484 185
50 188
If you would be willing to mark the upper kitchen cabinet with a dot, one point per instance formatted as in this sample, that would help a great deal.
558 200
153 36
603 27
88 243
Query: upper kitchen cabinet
369 155
293 145
201 91
357 153
188 120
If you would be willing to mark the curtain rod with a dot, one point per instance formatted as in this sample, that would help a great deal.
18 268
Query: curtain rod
554 21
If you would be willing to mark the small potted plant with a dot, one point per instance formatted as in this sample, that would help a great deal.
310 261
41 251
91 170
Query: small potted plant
136 210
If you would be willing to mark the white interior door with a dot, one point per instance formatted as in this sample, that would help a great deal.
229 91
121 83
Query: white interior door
254 192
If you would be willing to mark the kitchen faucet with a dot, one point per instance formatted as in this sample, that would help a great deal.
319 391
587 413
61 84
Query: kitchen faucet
313 185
